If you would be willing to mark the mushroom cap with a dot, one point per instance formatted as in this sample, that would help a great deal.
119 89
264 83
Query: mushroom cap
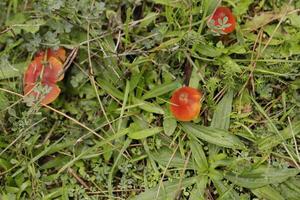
46 71
52 71
185 103
53 93
219 21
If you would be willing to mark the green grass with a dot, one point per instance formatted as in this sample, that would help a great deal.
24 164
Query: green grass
110 134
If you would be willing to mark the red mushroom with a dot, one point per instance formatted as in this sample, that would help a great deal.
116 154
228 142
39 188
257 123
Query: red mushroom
46 71
222 21
185 103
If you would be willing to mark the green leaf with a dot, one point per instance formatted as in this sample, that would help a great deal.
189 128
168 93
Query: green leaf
208 51
56 162
168 191
149 107
215 136
199 156
161 89
198 192
169 125
163 156
261 177
110 89
267 192
221 117
290 189
137 135
225 192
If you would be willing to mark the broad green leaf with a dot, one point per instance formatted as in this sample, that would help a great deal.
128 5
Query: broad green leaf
149 107
290 189
221 117
163 156
215 136
167 191
199 156
161 89
56 147
169 125
198 192
56 162
261 177
267 192
141 134
208 51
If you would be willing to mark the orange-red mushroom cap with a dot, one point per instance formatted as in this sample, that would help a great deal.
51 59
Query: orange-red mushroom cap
222 21
185 103
46 71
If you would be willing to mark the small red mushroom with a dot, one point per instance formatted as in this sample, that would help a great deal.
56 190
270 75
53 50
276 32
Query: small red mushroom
222 21
46 71
185 103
